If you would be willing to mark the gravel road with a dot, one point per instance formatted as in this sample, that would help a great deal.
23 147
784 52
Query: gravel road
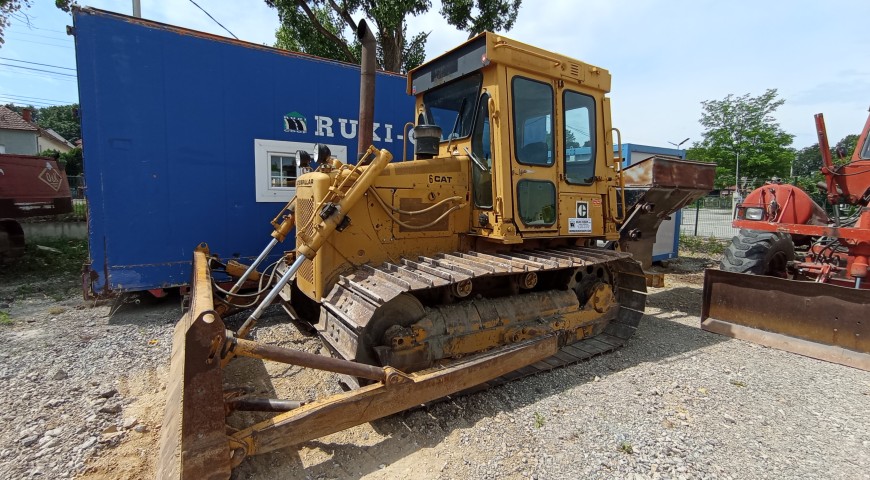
83 392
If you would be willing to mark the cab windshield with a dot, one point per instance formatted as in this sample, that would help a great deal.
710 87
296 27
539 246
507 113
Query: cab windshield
451 106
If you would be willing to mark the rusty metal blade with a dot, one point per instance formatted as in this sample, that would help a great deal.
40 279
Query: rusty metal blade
193 440
817 320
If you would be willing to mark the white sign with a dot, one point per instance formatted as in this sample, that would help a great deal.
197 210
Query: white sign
580 225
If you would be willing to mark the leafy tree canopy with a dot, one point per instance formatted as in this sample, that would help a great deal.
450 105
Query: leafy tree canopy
10 9
744 126
481 15
808 160
326 27
63 119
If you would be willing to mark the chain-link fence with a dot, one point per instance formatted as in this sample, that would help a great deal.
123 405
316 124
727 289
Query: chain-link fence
709 217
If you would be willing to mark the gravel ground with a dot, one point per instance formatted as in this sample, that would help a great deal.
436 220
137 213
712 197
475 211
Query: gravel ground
84 388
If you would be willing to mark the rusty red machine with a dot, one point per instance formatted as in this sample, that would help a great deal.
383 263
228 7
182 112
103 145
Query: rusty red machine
29 186
814 300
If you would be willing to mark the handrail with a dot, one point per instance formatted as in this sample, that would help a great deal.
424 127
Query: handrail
405 140
618 159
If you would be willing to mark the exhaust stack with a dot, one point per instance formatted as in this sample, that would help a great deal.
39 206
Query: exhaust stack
366 87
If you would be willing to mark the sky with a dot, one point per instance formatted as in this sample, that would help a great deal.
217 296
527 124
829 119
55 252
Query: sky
666 57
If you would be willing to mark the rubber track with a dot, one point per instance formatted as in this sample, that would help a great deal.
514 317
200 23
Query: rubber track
360 294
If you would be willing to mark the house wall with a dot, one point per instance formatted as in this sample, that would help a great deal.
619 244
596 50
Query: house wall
45 142
21 142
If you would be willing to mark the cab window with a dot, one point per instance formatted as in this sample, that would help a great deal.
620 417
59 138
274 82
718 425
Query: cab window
481 148
579 114
537 202
533 121
451 106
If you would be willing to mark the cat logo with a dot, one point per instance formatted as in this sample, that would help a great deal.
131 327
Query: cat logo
51 177
582 209
294 122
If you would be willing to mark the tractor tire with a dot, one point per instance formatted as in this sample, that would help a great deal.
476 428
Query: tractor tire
759 253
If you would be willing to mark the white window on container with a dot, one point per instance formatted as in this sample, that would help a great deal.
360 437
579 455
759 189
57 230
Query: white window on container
282 171
275 167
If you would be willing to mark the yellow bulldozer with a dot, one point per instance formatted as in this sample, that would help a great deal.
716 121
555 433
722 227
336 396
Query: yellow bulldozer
512 243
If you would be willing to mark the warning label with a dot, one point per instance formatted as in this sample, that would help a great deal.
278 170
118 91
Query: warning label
580 225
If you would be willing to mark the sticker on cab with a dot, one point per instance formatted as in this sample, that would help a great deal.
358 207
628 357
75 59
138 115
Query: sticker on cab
581 223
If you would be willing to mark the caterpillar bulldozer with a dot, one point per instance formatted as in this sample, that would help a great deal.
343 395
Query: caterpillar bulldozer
813 300
504 248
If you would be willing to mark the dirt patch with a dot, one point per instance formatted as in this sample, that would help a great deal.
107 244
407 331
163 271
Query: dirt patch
134 456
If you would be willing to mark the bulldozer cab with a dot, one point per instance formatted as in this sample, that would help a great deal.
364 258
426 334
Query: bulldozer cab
536 126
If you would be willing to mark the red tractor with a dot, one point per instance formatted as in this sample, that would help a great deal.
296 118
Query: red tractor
815 300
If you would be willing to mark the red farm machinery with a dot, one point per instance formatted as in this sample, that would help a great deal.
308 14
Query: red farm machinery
813 299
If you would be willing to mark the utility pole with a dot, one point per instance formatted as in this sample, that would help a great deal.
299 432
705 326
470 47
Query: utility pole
137 9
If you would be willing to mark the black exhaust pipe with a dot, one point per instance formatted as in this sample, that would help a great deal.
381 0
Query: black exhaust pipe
366 87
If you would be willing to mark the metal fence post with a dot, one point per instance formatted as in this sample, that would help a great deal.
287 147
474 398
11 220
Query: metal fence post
697 214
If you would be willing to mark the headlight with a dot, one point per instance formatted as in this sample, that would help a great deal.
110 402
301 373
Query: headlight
754 213
321 153
303 159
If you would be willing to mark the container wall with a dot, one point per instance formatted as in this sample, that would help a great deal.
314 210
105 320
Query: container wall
174 124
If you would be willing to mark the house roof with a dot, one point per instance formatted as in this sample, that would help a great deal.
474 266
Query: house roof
56 136
9 120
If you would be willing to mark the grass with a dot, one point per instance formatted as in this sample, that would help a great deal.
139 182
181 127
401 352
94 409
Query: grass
625 447
539 420
712 246
5 319
44 271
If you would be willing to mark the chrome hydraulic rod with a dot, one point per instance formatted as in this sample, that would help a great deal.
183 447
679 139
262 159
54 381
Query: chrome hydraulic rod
254 266
270 297
262 405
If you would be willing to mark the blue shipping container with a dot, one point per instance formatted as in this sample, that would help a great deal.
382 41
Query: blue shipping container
188 137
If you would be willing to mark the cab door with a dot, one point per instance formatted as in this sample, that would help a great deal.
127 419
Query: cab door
534 142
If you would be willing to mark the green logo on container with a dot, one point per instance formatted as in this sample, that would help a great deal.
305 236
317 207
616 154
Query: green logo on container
294 122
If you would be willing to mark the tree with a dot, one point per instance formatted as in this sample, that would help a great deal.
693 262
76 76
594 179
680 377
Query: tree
808 160
481 15
63 119
10 9
325 27
744 126
73 161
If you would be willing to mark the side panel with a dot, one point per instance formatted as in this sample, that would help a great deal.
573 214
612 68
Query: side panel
170 118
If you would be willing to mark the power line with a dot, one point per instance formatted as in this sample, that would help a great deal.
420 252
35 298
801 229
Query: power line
50 37
43 43
23 102
215 21
37 69
27 97
35 63
30 26
40 75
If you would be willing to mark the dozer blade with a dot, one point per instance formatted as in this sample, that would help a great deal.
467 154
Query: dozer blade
817 320
193 440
